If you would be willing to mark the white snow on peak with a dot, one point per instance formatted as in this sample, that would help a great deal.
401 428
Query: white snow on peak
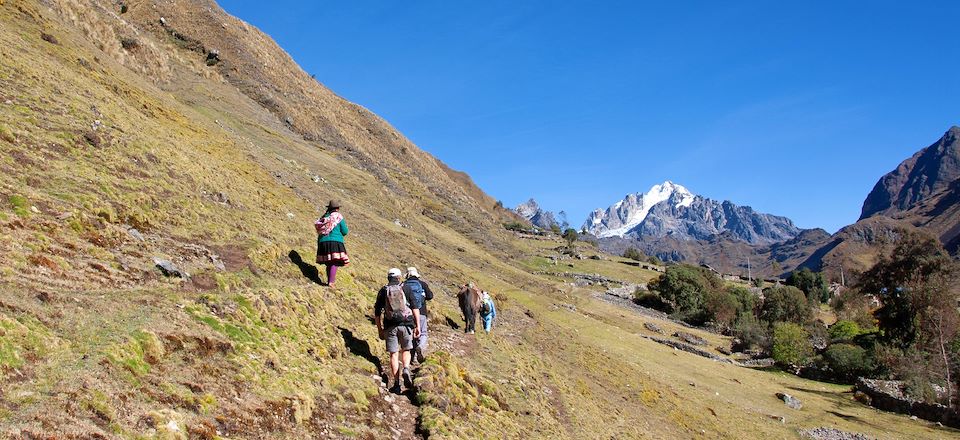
635 212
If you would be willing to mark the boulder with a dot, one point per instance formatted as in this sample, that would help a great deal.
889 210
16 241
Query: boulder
690 338
790 401
652 327
168 269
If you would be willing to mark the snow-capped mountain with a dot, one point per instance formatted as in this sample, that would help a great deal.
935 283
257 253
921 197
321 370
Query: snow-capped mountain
531 211
623 216
670 210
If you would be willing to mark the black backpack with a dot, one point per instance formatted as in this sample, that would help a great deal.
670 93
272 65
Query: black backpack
485 307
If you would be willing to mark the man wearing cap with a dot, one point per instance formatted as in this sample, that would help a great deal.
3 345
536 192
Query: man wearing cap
398 323
422 291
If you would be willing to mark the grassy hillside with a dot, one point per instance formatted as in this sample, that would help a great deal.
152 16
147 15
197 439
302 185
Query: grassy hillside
121 143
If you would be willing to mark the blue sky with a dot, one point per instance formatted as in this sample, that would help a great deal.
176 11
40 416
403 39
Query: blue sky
795 110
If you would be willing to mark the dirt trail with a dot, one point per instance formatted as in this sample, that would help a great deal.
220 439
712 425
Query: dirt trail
400 412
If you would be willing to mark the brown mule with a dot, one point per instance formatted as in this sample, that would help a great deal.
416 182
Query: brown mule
469 299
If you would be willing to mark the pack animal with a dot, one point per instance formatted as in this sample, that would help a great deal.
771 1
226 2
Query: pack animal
469 299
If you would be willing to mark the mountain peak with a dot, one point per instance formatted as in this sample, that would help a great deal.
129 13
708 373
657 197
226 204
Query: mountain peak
628 213
927 172
532 211
670 209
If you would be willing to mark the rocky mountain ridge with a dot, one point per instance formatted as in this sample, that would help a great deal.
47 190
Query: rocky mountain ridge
928 172
537 216
671 210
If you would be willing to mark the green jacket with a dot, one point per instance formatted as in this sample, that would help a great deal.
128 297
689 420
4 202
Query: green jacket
336 234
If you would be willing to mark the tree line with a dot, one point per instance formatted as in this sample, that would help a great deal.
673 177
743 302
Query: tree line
900 320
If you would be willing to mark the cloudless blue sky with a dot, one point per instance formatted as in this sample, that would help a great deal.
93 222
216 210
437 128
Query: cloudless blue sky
795 110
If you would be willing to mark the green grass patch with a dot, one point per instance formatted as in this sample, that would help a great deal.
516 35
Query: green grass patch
6 134
20 205
21 339
137 354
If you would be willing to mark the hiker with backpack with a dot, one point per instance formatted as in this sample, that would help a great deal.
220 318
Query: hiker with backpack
422 294
398 323
331 229
488 310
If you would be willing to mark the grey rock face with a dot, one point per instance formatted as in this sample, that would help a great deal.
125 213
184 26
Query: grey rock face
531 211
704 219
929 171
670 210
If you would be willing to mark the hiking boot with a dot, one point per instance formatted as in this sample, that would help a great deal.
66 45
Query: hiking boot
420 357
395 389
407 380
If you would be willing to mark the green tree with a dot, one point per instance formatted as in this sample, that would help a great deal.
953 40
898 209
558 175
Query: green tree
917 287
555 228
685 287
571 236
813 284
791 345
784 304
844 330
724 306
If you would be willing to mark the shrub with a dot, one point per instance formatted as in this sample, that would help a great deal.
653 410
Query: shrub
651 300
785 304
752 333
684 287
654 260
571 236
633 254
515 226
847 361
791 345
844 330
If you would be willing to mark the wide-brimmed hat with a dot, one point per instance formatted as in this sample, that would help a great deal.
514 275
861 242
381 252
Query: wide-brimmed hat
412 272
394 273
333 204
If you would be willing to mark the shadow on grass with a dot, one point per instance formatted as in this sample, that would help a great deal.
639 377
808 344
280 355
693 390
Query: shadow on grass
453 324
831 394
359 347
308 270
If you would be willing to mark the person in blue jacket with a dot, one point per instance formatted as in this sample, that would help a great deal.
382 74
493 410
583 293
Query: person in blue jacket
488 310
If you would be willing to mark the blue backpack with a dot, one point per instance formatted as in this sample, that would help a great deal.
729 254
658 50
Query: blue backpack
417 290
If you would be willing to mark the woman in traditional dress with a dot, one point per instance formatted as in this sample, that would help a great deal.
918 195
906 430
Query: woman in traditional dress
331 228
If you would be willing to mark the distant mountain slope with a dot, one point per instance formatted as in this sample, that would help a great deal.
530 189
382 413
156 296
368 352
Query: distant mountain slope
927 172
531 211
938 214
670 210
